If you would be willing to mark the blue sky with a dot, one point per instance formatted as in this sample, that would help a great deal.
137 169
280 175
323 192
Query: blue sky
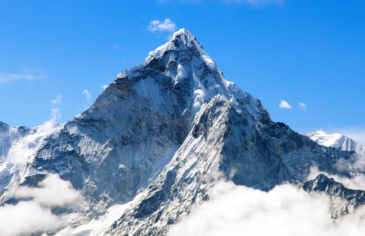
299 51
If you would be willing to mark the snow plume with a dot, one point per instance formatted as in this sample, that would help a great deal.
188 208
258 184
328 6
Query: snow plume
166 26
55 115
53 191
58 100
104 86
87 94
285 105
303 106
285 210
30 216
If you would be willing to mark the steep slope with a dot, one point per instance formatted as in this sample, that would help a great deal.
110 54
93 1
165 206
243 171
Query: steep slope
167 130
336 140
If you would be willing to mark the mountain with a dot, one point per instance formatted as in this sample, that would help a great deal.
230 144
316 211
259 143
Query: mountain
336 140
158 138
353 198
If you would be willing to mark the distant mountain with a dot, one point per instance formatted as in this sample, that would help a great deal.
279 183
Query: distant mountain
336 140
157 139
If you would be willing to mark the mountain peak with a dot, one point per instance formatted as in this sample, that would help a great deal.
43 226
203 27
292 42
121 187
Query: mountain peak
182 32
181 40
336 140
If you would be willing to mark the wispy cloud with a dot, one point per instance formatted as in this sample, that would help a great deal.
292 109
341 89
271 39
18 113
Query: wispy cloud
303 106
87 94
58 100
285 105
117 47
7 77
55 115
104 86
162 26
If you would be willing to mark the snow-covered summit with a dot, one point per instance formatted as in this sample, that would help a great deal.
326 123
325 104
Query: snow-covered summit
336 140
183 61
180 41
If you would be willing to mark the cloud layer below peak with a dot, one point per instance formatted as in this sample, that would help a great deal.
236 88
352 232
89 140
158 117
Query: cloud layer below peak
285 210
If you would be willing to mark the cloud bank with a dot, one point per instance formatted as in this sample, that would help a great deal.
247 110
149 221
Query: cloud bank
285 211
25 217
285 105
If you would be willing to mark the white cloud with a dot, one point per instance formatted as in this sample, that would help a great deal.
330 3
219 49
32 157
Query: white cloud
6 77
29 216
285 210
104 86
56 114
285 105
24 218
303 106
58 100
87 94
166 26
19 154
53 191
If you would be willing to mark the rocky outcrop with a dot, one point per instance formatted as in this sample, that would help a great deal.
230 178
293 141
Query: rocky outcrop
352 198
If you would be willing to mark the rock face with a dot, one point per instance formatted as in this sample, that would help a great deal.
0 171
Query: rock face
166 131
352 198
336 140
